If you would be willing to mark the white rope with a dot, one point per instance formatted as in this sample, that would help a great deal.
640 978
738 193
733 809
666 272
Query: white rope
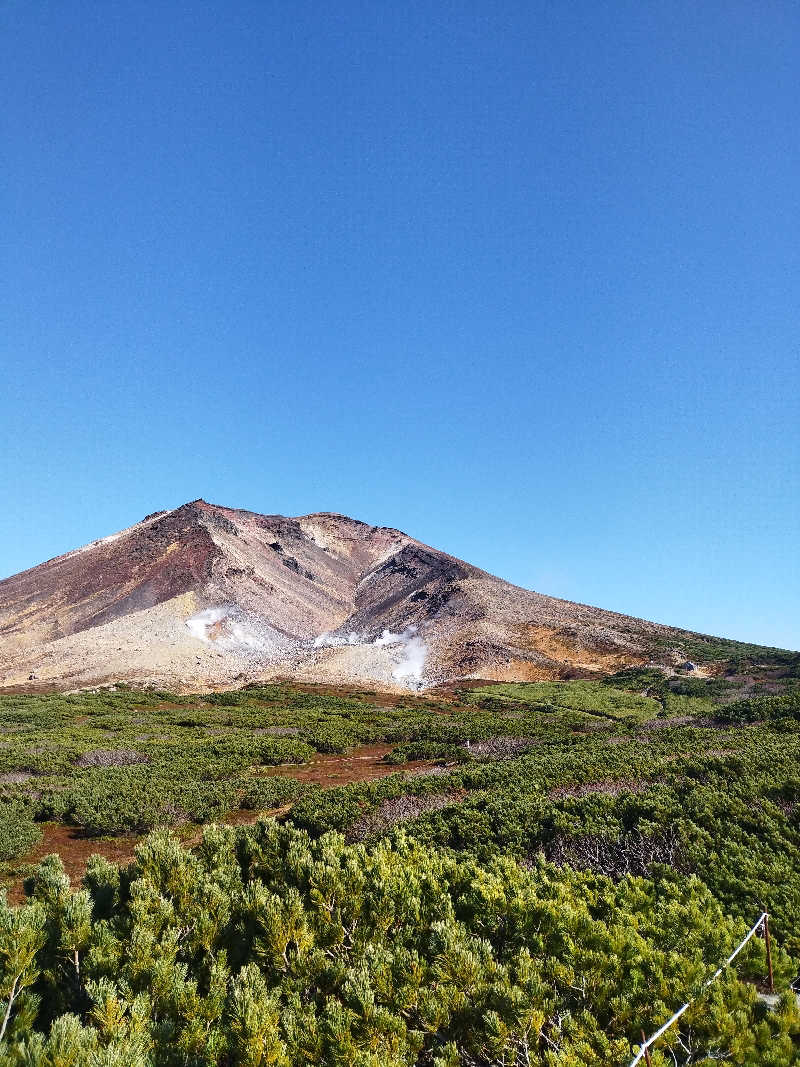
654 1037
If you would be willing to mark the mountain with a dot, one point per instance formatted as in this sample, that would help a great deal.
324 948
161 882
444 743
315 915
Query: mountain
206 596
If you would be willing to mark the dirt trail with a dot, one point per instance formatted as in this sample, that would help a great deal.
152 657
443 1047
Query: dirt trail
325 770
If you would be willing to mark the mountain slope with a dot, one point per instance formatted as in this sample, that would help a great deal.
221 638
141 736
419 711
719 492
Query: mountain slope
208 596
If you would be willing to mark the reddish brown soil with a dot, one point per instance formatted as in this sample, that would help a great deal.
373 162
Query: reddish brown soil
360 765
74 848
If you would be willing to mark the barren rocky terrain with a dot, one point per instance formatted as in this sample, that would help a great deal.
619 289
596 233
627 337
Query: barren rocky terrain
207 597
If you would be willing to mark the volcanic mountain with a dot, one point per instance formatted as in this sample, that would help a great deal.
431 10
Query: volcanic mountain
206 597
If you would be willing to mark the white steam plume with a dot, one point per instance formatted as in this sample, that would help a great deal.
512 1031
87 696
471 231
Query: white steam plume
200 623
410 655
236 634
330 640
414 653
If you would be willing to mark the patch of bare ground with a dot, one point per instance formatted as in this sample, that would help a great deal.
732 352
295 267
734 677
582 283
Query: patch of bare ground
359 765
74 847
191 835
394 810
523 670
565 648
452 691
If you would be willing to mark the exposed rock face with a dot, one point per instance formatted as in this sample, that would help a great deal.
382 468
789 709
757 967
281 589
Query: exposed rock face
205 596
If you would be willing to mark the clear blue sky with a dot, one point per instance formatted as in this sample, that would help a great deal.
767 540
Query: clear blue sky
518 278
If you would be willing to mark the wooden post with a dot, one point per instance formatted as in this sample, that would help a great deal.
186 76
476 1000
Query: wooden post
769 953
647 1059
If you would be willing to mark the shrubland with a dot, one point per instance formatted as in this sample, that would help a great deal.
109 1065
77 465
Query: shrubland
546 869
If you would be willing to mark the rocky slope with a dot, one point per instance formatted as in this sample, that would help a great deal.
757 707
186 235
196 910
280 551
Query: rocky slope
206 596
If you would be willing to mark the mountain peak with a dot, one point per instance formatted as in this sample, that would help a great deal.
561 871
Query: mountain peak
206 595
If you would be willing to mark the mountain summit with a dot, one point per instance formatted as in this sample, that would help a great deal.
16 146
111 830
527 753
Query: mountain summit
207 596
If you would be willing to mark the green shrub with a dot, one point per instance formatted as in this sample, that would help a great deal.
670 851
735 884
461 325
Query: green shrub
758 708
263 946
262 794
226 700
18 832
428 750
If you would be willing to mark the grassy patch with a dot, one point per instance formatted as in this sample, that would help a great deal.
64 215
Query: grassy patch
593 698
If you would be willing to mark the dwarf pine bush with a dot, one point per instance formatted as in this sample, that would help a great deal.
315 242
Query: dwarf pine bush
267 947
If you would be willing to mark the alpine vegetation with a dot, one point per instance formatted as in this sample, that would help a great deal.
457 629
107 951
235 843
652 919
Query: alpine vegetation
500 874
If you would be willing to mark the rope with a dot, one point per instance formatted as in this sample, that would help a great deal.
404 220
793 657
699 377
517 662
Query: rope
662 1029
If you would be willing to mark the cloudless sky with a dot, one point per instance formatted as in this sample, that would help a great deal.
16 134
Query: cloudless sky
521 279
